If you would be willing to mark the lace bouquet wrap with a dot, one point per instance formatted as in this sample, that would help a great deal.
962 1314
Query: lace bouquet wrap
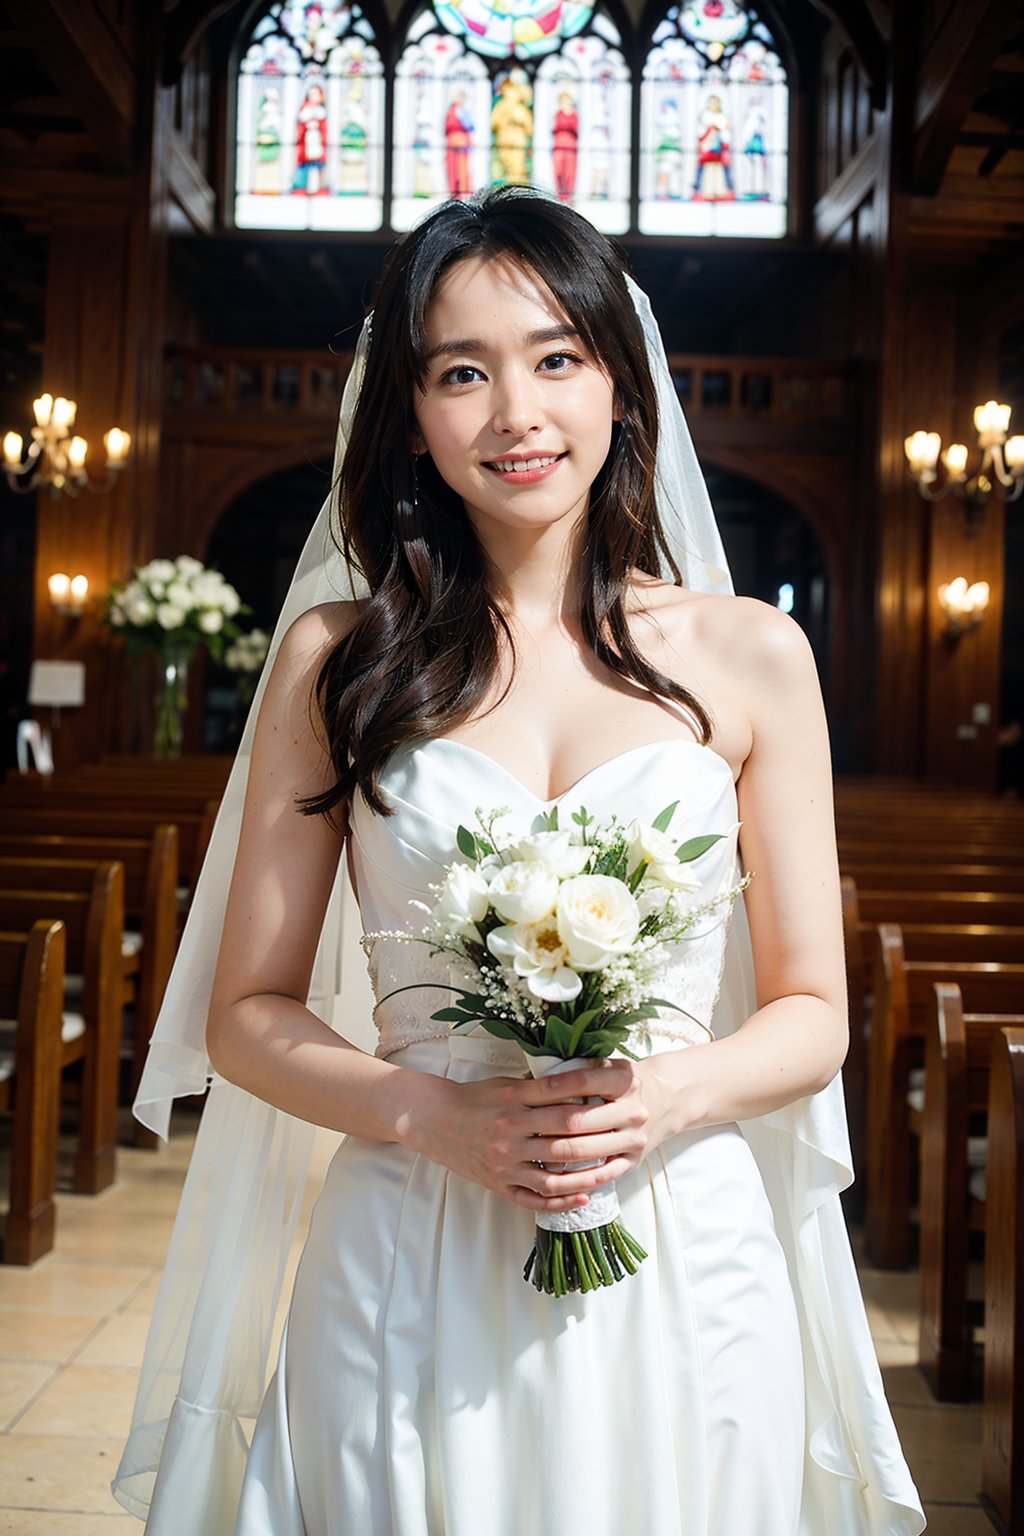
559 937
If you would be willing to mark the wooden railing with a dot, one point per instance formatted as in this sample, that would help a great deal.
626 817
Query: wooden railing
245 382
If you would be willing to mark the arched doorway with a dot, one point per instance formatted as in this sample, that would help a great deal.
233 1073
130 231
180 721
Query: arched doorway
255 543
775 554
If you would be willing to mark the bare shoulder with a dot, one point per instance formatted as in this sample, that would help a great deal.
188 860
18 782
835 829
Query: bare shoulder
320 628
741 632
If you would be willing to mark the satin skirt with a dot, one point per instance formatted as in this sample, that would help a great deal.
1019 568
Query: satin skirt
424 1389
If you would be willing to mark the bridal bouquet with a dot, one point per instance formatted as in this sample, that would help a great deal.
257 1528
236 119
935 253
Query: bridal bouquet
560 937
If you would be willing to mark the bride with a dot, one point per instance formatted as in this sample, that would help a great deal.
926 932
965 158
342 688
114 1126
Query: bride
516 476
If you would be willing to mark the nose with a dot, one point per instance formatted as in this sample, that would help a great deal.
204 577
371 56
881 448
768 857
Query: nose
517 407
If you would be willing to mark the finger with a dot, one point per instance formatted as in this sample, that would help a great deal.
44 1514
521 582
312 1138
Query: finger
554 1185
607 1080
579 1149
582 1119
532 1201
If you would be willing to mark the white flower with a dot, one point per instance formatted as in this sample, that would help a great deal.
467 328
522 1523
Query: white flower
169 617
555 849
230 600
211 622
524 892
597 920
208 589
188 565
535 952
157 589
117 616
157 570
463 901
139 609
651 899
180 594
658 851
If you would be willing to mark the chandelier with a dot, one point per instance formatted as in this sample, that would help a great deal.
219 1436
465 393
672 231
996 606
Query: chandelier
1002 462
55 458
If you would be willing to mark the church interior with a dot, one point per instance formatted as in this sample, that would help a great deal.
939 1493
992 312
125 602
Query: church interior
824 200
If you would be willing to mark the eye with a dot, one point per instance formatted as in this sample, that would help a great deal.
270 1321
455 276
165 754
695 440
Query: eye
561 362
462 373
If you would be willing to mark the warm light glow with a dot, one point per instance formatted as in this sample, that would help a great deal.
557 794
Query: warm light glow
922 450
41 409
63 415
117 444
1013 453
955 458
963 604
79 588
12 448
991 421
77 450
59 586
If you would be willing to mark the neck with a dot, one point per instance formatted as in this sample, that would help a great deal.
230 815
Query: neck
537 571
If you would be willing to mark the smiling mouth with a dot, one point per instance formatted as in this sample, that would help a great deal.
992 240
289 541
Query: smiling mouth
523 466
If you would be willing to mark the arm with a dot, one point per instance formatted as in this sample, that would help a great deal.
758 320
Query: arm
261 1035
794 1044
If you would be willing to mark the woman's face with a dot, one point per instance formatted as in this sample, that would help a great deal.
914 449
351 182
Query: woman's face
516 413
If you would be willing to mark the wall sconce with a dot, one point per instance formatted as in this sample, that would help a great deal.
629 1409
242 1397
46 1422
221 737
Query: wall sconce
964 606
68 594
55 460
1002 461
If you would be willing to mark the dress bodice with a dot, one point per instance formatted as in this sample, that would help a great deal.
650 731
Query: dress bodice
438 783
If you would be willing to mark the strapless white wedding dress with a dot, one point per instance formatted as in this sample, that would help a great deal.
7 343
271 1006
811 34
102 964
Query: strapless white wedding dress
729 1388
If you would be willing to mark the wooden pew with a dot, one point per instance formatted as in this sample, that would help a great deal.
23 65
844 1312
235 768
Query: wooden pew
32 994
1002 1424
87 820
958 1055
931 877
94 922
902 998
150 907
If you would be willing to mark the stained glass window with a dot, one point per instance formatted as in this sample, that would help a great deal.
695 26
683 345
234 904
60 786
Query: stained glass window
493 92
714 125
309 149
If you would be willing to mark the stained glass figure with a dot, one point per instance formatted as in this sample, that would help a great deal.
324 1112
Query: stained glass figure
465 118
310 121
714 114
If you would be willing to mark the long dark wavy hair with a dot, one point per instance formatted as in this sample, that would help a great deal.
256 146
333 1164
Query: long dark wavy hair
425 649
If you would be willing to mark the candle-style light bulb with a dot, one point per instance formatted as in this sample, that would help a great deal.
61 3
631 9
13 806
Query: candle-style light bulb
63 415
922 450
77 450
1013 453
117 444
12 448
58 585
41 409
955 459
79 588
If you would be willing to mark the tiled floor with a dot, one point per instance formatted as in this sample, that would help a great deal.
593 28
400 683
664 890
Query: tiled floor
72 1330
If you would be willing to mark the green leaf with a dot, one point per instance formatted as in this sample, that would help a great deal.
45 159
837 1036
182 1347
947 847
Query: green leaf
453 1016
557 1036
663 819
466 842
581 1024
695 846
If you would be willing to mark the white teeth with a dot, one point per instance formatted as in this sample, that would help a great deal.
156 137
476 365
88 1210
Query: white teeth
520 466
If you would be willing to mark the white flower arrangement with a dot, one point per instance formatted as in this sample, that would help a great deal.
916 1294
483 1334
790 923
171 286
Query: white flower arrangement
247 653
561 937
175 603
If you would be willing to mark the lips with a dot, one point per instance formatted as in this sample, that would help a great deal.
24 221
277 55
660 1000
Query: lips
523 466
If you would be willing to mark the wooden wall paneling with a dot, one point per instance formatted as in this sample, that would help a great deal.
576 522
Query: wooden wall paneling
104 347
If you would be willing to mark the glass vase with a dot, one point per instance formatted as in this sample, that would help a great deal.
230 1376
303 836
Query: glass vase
171 701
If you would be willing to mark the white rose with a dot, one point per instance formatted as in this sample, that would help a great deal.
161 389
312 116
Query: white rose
229 600
463 901
658 851
157 589
524 892
597 920
208 589
535 952
180 594
211 622
169 617
188 565
157 570
555 849
140 610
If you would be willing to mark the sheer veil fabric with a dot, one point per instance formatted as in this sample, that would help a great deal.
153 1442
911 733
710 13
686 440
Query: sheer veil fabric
205 1366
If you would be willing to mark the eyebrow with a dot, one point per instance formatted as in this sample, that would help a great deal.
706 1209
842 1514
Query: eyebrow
474 347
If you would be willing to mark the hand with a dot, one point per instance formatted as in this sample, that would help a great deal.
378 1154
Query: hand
497 1131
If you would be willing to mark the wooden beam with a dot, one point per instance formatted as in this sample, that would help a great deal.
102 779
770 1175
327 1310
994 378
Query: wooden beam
852 186
855 24
78 51
188 186
952 74
186 23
